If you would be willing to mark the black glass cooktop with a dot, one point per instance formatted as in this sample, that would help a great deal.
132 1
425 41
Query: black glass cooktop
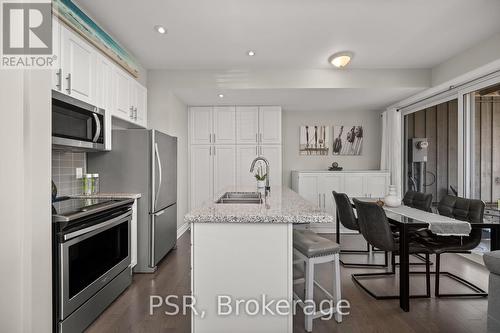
73 208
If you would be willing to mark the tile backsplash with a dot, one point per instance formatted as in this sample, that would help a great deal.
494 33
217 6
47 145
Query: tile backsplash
64 166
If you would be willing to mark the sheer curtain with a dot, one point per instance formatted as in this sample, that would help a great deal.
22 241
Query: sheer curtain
392 137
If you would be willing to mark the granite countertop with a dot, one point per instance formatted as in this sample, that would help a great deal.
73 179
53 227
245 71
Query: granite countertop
110 196
283 206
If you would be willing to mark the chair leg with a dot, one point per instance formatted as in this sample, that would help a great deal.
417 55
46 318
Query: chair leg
309 300
438 269
427 275
336 286
477 291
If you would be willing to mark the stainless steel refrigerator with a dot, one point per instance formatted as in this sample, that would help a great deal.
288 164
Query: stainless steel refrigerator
144 161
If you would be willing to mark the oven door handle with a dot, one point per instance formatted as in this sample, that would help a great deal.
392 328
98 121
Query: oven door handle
103 225
98 129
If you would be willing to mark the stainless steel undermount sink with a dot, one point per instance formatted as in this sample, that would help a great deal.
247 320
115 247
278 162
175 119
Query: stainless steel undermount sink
240 198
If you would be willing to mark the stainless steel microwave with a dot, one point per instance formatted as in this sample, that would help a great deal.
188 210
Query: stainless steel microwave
76 125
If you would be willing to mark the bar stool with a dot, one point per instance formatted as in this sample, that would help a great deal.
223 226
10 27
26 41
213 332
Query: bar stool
311 249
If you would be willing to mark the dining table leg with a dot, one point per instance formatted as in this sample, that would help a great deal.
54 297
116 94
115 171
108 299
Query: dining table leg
495 239
404 268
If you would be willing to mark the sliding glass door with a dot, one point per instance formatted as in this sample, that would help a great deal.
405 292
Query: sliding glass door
431 150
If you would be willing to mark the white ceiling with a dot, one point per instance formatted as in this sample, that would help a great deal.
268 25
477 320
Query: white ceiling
301 99
216 34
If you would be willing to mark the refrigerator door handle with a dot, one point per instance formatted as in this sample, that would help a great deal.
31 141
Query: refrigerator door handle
159 175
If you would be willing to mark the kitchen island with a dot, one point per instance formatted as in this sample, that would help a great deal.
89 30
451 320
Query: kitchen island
241 260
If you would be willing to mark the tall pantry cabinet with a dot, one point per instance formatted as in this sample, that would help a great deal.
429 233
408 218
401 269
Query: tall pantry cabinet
224 140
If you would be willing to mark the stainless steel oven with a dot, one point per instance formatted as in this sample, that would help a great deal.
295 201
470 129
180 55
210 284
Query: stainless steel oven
92 257
76 125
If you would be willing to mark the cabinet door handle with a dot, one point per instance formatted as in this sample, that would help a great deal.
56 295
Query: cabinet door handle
215 151
256 138
210 138
59 79
324 201
135 113
131 113
210 151
260 135
214 137
319 200
69 83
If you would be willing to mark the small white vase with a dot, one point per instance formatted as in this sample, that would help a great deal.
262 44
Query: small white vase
392 200
261 184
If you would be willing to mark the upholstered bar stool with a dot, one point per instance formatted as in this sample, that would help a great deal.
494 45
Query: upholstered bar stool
311 249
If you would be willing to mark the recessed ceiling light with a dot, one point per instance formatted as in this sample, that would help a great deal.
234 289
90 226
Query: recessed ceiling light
221 95
160 29
340 59
251 53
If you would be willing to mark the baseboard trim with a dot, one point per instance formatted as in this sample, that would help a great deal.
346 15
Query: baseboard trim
182 229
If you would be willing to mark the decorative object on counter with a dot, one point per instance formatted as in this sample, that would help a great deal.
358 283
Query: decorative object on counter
95 183
392 200
261 178
348 140
69 13
87 184
314 140
380 202
335 167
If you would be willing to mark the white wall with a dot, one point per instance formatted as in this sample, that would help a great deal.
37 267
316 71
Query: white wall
168 114
370 156
479 55
25 213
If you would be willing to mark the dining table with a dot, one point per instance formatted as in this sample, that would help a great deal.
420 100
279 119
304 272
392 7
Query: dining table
408 220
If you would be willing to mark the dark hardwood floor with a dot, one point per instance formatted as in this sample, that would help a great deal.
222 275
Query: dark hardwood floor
130 312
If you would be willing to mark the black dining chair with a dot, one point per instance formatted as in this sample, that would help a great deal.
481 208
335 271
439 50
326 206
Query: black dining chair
422 201
418 200
346 216
463 209
376 229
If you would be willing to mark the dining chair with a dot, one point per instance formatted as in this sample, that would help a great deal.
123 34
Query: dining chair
346 216
470 210
421 201
376 229
418 200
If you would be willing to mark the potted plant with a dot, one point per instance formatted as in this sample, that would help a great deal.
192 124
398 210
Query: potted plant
261 178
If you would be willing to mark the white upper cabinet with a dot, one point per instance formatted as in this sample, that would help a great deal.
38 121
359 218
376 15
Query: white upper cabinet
78 66
261 125
141 105
224 125
56 49
86 74
247 124
121 95
212 125
103 94
224 167
270 124
201 125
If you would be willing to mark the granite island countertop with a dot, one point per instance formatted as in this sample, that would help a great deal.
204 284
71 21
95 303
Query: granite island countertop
282 206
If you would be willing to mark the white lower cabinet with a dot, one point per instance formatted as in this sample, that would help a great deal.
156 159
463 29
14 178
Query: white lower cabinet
201 174
273 154
317 187
224 158
245 154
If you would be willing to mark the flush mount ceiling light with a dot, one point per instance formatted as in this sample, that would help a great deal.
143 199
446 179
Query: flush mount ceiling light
251 53
221 95
340 59
160 29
